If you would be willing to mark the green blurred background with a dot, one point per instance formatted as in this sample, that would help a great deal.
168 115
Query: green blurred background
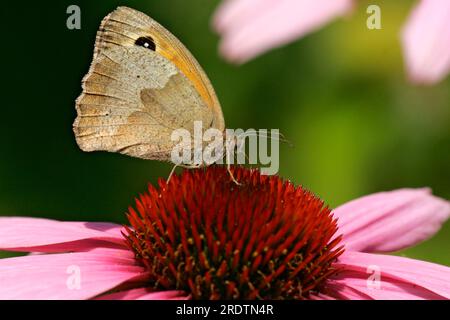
339 95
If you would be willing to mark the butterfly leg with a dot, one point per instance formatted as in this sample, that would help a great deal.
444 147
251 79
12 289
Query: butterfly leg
171 173
232 176
193 166
198 166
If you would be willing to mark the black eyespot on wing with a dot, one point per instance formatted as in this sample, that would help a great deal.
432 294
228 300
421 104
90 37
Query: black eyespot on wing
146 42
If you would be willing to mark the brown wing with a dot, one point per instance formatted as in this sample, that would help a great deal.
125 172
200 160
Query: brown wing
133 98
132 101
124 26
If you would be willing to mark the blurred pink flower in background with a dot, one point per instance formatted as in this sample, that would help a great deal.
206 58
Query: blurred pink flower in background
159 257
252 27
426 41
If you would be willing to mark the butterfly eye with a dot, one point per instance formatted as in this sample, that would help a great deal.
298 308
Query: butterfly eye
146 42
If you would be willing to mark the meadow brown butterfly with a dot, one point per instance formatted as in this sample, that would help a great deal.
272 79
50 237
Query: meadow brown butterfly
142 84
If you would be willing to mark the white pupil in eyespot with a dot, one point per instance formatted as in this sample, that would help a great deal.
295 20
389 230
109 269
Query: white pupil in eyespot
146 44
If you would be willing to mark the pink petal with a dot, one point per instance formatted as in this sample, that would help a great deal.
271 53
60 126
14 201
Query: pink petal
51 276
320 296
400 278
44 235
144 294
251 27
390 221
426 41
345 292
232 12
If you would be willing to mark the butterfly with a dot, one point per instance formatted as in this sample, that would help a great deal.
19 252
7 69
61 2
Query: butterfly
142 84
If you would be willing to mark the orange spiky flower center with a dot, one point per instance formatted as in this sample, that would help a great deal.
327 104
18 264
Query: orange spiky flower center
262 239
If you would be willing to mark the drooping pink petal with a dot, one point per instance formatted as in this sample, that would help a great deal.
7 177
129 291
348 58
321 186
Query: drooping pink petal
251 27
426 42
81 275
44 235
389 277
144 294
390 221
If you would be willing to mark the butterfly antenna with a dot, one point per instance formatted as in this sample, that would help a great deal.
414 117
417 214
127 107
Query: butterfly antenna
279 136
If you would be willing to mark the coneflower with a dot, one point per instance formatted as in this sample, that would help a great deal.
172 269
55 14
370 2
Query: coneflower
205 235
